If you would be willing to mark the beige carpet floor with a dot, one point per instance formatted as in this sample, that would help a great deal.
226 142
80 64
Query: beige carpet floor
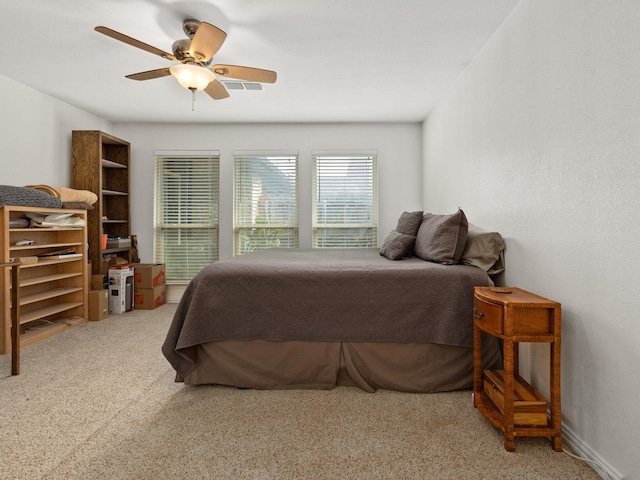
99 402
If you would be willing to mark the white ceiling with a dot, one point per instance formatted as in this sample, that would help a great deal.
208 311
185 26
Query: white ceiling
337 60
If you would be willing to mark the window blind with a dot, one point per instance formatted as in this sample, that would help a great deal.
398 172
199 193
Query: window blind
345 204
265 201
186 196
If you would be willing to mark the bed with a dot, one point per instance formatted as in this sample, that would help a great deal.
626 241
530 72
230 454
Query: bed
318 318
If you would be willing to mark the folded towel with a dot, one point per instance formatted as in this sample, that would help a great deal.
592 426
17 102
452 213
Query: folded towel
73 195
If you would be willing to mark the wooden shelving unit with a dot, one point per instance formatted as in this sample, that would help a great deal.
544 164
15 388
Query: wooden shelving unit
100 164
53 292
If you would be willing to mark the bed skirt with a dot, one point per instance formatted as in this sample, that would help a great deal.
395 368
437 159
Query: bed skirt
273 365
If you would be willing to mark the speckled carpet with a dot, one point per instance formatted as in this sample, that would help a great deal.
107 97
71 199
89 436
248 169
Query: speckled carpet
99 402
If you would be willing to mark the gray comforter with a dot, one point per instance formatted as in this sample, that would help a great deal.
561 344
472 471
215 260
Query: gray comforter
331 295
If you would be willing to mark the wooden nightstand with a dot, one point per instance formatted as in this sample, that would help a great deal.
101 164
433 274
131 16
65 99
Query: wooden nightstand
502 396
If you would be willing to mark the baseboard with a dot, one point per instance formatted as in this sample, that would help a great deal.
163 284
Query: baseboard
583 450
175 291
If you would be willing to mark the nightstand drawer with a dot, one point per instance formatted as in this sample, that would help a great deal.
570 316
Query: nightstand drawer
489 317
512 311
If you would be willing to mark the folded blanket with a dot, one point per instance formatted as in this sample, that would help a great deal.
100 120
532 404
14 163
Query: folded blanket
67 195
28 197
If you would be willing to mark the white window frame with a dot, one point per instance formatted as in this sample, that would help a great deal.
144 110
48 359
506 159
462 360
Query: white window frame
349 232
186 225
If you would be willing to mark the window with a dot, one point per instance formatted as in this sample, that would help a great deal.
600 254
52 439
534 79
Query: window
265 201
345 204
186 192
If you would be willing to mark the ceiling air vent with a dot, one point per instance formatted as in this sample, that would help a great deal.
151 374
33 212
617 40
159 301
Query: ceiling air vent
243 86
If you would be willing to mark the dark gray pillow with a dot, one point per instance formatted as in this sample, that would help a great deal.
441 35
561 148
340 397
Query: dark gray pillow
441 238
409 223
27 197
397 245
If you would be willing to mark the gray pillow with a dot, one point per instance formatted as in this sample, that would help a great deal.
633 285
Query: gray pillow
397 245
409 223
441 238
484 250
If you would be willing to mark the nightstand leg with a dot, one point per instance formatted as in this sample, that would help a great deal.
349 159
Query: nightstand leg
509 428
556 415
509 442
477 364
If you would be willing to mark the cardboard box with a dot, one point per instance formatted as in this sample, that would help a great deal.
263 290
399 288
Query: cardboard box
98 282
115 260
120 289
98 304
150 275
150 298
109 261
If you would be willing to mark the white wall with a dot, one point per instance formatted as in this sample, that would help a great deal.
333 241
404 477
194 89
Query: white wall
36 149
399 149
539 139
36 136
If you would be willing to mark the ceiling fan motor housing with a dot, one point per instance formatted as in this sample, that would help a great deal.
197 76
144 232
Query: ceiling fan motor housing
181 48
189 26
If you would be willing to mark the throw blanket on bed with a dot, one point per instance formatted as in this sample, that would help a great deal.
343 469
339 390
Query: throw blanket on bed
351 295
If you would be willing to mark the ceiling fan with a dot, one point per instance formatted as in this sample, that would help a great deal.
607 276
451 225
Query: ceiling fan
195 55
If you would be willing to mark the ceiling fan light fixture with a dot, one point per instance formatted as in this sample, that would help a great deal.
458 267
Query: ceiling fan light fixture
192 77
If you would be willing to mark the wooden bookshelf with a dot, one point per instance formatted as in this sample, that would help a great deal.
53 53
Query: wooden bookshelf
53 291
100 164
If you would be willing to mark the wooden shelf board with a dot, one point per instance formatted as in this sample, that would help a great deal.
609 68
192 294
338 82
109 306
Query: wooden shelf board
113 192
52 262
495 418
45 229
48 278
47 311
109 164
44 246
36 334
53 293
22 208
116 250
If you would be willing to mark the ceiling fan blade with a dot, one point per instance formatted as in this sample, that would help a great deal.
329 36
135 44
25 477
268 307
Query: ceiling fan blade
150 74
206 42
216 90
133 42
245 73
